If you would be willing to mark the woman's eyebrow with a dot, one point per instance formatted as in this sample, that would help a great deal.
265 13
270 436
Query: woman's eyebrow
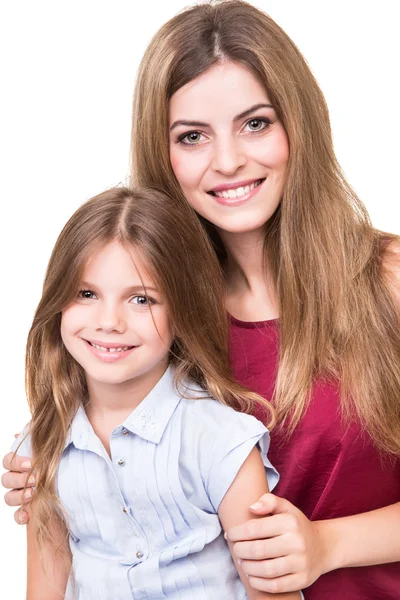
242 115
250 110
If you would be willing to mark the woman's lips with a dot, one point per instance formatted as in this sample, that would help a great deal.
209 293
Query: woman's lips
236 196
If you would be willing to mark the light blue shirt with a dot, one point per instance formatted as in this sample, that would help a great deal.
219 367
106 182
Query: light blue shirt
144 522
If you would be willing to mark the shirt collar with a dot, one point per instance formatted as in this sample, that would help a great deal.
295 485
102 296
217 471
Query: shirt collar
148 420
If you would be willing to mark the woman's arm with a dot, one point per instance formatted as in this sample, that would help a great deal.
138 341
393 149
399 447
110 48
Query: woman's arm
287 551
49 566
233 510
15 480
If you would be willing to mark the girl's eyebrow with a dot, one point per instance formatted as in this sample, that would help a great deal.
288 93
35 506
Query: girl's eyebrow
242 115
129 290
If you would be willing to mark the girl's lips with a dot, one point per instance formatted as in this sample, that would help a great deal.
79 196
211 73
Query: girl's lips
237 201
107 355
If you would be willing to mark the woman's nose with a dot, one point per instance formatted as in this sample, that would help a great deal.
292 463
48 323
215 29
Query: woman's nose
228 156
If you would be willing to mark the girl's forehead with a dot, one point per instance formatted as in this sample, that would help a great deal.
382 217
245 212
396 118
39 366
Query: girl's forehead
116 262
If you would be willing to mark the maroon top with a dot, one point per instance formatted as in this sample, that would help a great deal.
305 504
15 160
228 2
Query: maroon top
327 469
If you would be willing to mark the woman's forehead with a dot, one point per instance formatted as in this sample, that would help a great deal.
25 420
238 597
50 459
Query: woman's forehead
225 90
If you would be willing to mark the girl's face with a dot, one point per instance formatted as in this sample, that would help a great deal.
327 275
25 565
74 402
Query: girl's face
228 150
110 329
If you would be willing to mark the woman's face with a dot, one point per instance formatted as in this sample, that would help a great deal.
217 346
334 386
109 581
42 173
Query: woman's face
228 150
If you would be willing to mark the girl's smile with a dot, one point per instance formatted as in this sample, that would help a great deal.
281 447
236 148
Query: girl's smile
109 352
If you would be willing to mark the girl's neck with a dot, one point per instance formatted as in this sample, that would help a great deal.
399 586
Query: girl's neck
118 400
110 404
251 291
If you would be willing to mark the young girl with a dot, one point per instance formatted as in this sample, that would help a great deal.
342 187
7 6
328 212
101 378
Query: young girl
132 455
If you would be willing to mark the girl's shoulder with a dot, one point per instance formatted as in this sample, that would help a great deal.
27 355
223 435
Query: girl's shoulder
22 444
205 411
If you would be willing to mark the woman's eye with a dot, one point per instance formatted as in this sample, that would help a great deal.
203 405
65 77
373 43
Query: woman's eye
142 300
191 139
257 124
86 294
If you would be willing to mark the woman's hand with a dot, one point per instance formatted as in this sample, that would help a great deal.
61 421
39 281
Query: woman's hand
282 552
15 480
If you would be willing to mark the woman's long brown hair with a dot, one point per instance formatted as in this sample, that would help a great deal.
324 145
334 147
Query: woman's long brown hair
338 319
182 262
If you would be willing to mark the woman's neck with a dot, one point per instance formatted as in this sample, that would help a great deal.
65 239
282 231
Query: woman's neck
251 292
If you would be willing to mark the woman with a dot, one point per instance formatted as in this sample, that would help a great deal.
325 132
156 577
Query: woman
228 117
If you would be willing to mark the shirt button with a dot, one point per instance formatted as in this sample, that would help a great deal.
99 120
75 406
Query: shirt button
124 510
139 554
121 462
125 431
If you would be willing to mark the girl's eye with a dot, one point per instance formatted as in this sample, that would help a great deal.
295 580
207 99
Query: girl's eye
258 124
86 294
191 139
142 300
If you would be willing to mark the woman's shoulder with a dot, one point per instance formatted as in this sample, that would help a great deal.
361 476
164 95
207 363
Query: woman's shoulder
391 266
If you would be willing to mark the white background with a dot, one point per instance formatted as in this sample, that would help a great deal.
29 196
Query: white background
67 76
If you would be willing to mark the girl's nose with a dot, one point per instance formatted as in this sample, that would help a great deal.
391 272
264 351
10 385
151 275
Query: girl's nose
111 318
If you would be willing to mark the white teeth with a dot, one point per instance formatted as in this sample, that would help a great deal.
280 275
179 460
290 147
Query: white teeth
239 192
120 349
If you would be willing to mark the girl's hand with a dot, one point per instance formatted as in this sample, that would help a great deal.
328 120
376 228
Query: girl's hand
282 552
15 480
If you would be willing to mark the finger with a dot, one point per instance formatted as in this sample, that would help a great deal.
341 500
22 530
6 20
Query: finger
254 529
13 462
270 569
271 504
21 517
287 583
13 480
15 498
265 549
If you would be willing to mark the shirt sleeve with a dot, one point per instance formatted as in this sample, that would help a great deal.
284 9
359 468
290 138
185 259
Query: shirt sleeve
22 444
232 445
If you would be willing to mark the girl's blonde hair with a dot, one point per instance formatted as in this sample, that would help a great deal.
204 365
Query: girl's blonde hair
172 242
338 319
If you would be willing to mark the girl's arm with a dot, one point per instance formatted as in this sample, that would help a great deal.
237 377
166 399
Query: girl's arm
249 483
286 551
48 568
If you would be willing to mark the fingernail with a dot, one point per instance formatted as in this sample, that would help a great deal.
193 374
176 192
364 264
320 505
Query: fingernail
32 479
28 494
21 518
256 505
26 464
225 535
